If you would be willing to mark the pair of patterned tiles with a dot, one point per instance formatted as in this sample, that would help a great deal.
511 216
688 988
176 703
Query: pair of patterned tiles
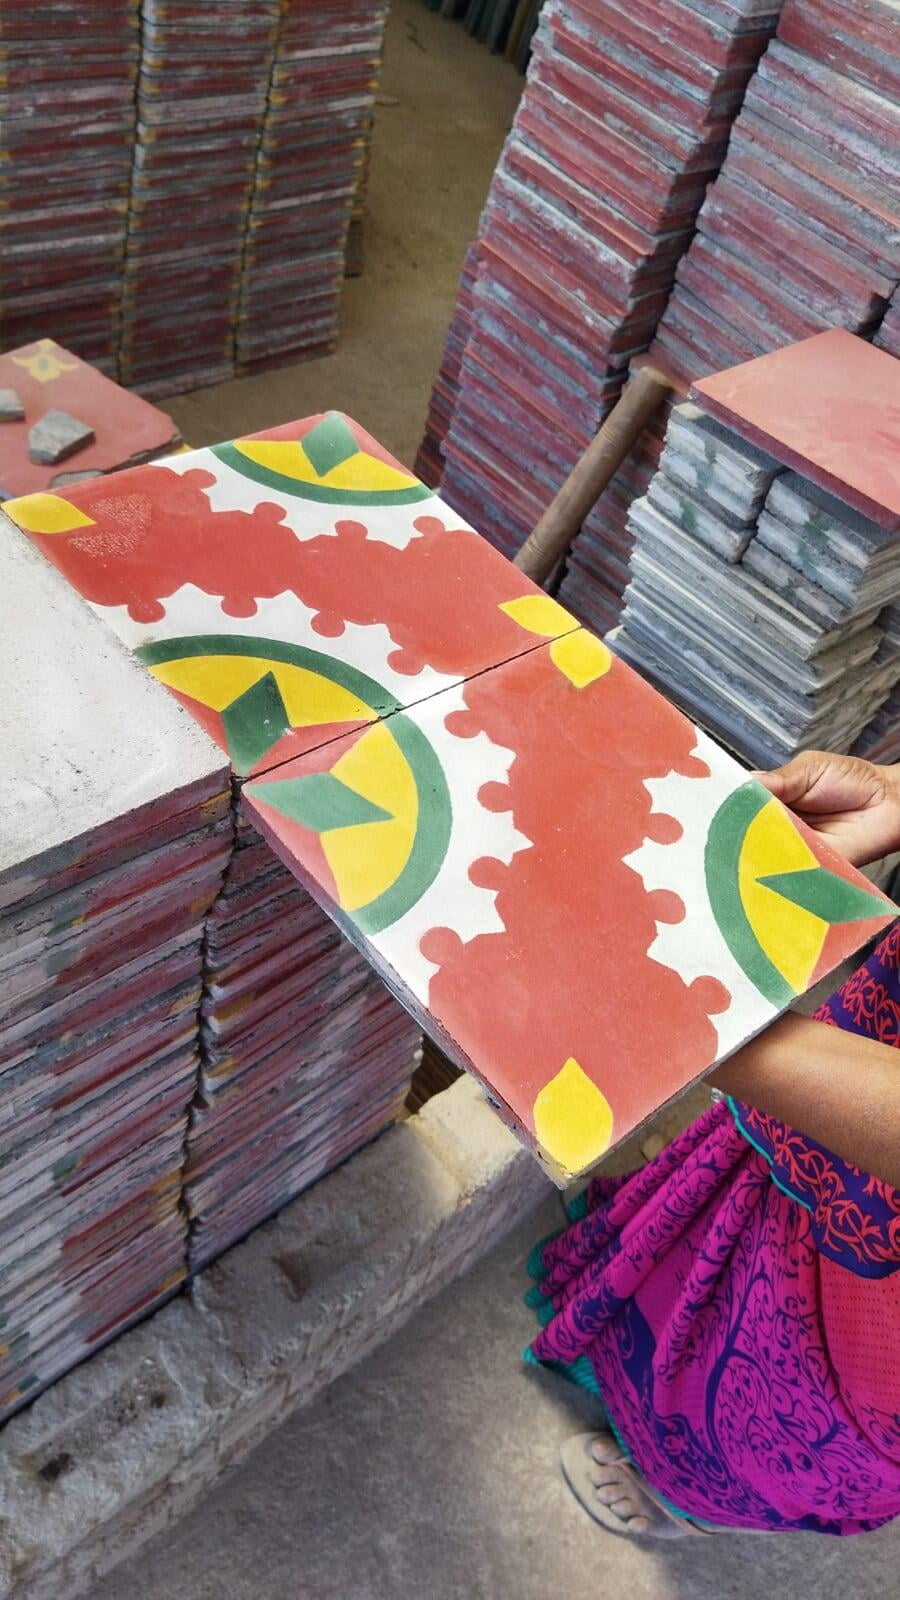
575 892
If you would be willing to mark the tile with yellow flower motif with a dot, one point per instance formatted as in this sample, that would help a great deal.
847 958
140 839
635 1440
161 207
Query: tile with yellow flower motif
577 894
46 378
292 586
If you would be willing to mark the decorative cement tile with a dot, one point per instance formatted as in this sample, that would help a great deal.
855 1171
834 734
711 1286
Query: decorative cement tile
292 586
575 892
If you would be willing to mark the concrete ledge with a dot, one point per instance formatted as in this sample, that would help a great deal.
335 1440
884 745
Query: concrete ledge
121 1447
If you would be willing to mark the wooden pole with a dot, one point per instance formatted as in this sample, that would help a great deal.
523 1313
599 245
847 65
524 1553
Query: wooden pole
549 541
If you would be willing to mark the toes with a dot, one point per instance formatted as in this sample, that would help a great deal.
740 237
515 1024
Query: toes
639 1524
605 1449
625 1507
606 1493
600 1476
615 1495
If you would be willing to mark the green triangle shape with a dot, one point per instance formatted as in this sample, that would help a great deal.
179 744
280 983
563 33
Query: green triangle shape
827 895
329 443
254 722
320 802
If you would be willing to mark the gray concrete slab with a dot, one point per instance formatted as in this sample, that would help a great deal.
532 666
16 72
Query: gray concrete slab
431 1472
88 736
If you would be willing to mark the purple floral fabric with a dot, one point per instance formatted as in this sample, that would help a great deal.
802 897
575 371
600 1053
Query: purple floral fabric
737 1304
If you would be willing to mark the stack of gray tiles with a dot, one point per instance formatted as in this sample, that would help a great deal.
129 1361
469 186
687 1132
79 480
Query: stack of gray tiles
764 605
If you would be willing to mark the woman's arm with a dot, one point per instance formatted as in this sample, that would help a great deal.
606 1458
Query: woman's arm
841 1089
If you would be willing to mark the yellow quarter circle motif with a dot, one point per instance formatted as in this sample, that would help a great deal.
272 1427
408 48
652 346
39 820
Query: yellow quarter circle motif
369 857
359 472
309 699
573 1120
791 936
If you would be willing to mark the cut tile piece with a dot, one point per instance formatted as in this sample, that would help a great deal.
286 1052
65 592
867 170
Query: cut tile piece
292 586
45 378
576 893
57 436
829 407
11 407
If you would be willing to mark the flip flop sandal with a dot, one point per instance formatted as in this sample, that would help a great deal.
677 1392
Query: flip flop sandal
579 1469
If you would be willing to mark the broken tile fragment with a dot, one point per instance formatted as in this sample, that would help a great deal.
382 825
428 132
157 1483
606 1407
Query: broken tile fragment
11 407
57 436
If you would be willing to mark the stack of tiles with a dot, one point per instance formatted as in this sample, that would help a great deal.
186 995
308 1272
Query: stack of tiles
624 119
205 67
800 230
765 586
66 122
116 827
319 110
442 404
598 568
799 233
888 335
44 378
305 1054
356 254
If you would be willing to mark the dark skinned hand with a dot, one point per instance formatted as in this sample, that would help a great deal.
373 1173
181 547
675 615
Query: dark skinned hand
854 803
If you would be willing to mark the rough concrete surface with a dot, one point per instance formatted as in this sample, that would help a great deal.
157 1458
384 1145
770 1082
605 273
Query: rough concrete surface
121 1447
431 1473
61 776
433 155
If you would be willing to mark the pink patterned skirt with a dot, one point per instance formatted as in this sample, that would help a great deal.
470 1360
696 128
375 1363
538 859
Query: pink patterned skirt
736 1305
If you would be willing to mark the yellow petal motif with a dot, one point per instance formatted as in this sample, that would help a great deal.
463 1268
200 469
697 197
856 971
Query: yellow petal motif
369 857
537 613
581 658
45 513
573 1120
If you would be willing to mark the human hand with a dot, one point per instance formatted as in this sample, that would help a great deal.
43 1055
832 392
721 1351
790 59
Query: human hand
853 802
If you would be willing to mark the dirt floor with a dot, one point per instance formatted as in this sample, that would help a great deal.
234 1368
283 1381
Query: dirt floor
434 152
430 1473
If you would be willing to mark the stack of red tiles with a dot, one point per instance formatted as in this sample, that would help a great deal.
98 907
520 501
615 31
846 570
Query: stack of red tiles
798 233
430 460
800 230
317 118
66 128
624 120
888 335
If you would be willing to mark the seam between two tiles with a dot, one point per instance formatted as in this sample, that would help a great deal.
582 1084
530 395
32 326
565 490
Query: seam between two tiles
540 644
